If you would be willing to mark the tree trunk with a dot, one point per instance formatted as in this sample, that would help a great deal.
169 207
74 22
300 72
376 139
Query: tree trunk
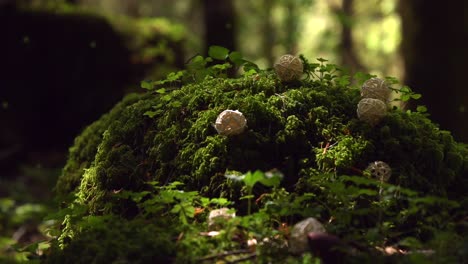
220 26
291 26
349 58
269 35
434 46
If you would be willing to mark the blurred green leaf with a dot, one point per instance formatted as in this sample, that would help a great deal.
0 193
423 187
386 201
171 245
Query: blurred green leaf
421 109
147 85
161 91
236 58
271 178
218 52
251 179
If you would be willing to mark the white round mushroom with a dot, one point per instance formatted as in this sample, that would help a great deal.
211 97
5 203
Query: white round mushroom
230 122
298 242
217 217
371 110
376 88
289 68
380 170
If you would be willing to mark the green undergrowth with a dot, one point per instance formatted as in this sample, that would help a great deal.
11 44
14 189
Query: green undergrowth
155 164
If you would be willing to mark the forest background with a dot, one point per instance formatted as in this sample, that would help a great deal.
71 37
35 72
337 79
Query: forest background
421 43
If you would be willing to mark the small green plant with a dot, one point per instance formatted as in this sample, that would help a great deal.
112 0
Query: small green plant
269 179
218 62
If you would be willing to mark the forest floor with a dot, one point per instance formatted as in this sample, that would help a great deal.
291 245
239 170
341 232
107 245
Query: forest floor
26 198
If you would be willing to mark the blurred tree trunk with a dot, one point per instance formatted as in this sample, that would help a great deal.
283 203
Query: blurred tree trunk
435 50
268 39
132 8
291 26
220 26
348 56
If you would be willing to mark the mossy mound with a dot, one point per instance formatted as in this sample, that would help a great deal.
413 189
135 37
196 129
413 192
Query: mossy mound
156 160
298 128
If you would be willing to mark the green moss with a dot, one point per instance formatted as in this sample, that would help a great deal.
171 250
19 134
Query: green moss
310 125
82 153
110 239
423 156
307 130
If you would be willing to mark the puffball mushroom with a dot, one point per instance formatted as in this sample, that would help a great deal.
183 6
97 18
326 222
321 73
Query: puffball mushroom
298 242
376 88
371 110
218 216
230 122
380 170
289 68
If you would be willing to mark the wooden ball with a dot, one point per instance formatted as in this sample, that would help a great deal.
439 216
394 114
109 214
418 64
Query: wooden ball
371 110
380 170
230 122
217 217
289 68
376 88
298 242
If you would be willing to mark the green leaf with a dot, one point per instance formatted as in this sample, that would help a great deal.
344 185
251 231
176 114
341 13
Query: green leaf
272 178
416 96
166 98
196 63
405 97
361 77
251 179
174 76
176 209
150 114
343 80
218 52
250 68
421 109
161 91
236 58
405 89
222 67
322 60
220 201
147 85
176 104
246 197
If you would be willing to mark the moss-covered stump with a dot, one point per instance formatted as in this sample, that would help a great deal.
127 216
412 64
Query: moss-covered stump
295 128
62 68
306 129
